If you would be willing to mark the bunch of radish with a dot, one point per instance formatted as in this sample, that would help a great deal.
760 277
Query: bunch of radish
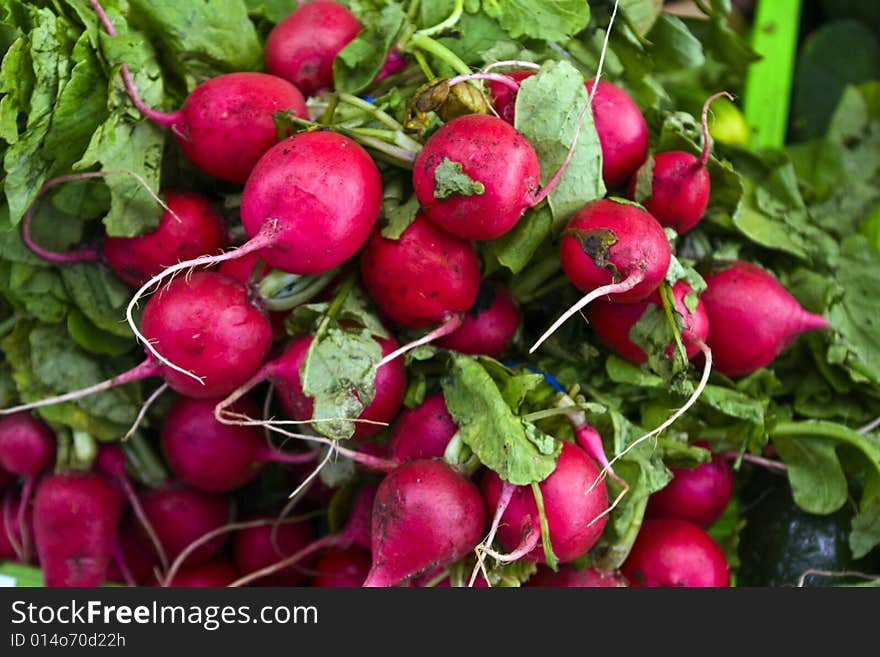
309 214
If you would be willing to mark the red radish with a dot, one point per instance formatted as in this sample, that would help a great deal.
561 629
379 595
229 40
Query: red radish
680 183
208 324
342 568
422 432
570 577
675 552
27 449
212 456
590 440
135 561
488 326
425 278
477 143
394 62
622 131
301 47
614 249
261 546
76 518
225 124
504 96
6 477
10 528
213 574
753 317
191 227
575 502
180 515
611 322
426 514
697 494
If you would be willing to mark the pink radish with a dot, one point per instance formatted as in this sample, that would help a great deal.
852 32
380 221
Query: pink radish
426 514
623 133
500 195
613 249
135 561
225 124
488 326
504 95
426 278
575 503
180 515
753 317
76 518
422 432
697 494
27 449
257 547
680 183
675 552
212 574
611 322
301 47
570 577
346 567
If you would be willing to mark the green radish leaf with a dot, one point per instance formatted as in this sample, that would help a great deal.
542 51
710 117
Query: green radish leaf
94 340
359 62
399 218
356 308
515 249
865 534
674 47
548 107
451 180
549 20
818 483
644 181
339 374
99 295
642 14
512 447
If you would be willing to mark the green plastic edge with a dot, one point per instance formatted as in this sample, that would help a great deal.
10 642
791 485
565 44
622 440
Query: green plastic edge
767 91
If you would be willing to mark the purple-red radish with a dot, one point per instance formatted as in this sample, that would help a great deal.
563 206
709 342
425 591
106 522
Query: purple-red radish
697 494
76 518
27 449
614 249
674 552
428 277
180 515
213 574
225 124
611 322
680 182
590 440
504 95
347 568
6 477
11 535
575 504
753 317
135 561
422 432
215 457
257 547
476 144
622 131
488 326
302 46
570 577
426 514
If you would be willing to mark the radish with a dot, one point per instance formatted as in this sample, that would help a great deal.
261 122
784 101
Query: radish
575 503
225 124
488 326
504 95
623 133
614 249
426 514
207 323
180 515
346 567
6 478
680 182
675 552
135 561
302 46
427 277
422 432
753 317
76 518
497 196
697 494
11 535
611 322
213 574
27 449
257 547
570 577
215 457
